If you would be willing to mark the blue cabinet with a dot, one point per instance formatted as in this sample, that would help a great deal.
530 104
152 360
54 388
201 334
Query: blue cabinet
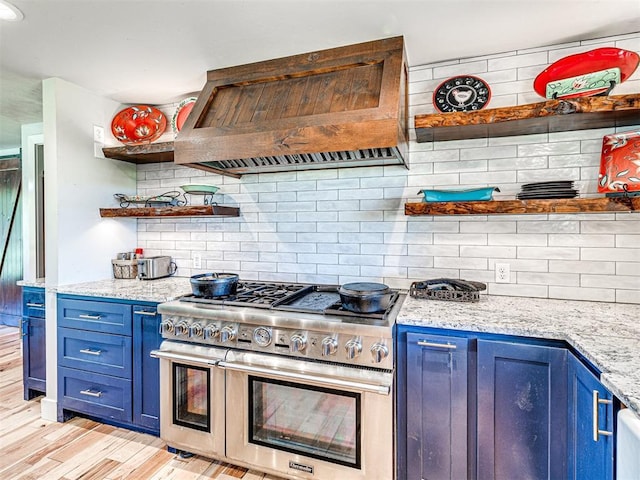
33 330
146 370
522 418
483 406
441 430
591 418
104 367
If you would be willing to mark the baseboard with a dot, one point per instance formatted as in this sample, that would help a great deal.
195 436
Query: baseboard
49 409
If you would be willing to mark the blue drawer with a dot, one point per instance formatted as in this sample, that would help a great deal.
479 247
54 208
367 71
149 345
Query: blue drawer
97 316
95 352
94 394
33 302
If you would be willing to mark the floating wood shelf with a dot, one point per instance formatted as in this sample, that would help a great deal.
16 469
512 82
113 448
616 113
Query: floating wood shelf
544 117
519 207
150 153
188 211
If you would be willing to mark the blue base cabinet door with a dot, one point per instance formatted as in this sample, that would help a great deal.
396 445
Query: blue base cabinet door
440 420
146 370
33 342
522 415
590 425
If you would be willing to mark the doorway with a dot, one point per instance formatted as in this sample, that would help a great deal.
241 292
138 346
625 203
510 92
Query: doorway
10 241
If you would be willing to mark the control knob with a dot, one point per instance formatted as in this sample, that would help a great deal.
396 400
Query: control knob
298 342
329 346
228 333
181 328
211 331
353 348
166 326
195 330
379 352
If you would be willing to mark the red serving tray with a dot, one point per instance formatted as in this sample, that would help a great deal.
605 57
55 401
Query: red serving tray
584 63
620 163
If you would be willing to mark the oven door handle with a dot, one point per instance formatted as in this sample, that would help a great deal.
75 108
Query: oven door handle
163 354
334 382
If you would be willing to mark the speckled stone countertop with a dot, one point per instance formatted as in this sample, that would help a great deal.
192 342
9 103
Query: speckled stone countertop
158 290
38 282
607 334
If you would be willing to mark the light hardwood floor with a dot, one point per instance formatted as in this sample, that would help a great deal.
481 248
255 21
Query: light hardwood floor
36 449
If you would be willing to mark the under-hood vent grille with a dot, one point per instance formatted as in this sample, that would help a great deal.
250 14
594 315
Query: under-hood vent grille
356 158
343 107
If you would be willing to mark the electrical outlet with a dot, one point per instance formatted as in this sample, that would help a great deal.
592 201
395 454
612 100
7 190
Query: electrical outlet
503 273
197 260
98 134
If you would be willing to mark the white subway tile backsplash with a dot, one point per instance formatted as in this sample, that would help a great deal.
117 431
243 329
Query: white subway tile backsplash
582 293
610 254
582 266
624 282
540 278
627 296
581 240
518 290
348 224
551 253
460 262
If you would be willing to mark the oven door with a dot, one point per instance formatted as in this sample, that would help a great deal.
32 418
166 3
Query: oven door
192 398
308 419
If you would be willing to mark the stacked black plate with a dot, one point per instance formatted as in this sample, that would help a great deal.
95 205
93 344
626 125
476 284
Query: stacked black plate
555 189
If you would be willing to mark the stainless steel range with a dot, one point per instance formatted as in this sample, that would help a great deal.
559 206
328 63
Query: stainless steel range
282 378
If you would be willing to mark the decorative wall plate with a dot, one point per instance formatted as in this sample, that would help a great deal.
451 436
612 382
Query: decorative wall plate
461 94
181 114
138 124
577 68
620 163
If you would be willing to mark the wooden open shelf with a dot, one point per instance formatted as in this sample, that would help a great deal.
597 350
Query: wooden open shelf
520 207
544 117
150 153
187 211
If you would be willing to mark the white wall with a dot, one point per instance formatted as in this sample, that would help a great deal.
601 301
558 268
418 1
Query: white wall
334 226
80 244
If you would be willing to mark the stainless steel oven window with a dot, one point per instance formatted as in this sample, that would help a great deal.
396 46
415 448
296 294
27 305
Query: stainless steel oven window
191 394
313 421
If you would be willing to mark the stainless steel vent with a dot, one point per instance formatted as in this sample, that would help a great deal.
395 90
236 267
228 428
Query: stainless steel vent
279 163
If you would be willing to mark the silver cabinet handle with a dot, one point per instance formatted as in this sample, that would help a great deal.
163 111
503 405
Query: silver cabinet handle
89 317
142 312
424 343
88 351
35 305
334 382
596 421
91 394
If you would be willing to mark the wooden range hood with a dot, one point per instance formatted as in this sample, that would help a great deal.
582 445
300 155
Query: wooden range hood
342 107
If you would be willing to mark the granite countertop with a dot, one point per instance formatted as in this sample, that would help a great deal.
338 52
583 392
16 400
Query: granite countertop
607 334
158 290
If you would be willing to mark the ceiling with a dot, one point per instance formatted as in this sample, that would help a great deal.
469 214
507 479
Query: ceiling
158 51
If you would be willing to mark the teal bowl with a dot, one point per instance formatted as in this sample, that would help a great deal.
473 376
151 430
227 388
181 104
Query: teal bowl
470 195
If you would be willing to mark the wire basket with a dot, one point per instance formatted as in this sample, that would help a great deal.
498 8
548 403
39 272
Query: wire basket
125 268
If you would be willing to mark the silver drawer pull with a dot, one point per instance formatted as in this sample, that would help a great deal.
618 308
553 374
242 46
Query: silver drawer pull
35 305
424 343
89 317
90 393
142 312
88 351
596 420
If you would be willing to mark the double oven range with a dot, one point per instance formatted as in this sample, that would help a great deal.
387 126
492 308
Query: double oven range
280 378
